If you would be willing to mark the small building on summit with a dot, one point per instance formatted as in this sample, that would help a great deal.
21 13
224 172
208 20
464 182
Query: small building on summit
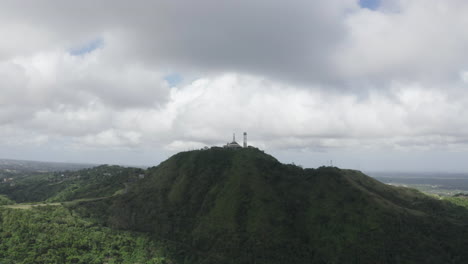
234 144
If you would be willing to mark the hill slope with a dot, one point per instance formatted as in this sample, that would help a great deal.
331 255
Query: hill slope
95 182
243 206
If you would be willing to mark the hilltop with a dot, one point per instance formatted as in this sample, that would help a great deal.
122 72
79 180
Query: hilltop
243 206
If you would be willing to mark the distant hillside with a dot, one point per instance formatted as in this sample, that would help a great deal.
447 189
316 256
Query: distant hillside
95 182
11 167
243 206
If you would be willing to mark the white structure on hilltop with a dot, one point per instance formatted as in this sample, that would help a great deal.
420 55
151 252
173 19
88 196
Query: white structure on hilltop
234 144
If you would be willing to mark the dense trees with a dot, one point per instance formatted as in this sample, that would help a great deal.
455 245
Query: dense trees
5 200
228 206
243 206
52 234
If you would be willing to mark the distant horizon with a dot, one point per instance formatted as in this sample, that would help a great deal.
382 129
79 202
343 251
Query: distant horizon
371 172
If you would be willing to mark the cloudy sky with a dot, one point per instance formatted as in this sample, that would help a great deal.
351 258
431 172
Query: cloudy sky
371 85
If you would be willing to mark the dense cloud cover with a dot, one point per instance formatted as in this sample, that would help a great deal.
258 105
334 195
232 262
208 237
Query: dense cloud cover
300 76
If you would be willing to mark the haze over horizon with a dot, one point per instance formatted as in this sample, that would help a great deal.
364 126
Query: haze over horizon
369 84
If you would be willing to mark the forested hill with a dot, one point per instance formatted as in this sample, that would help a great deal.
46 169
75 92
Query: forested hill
90 183
243 206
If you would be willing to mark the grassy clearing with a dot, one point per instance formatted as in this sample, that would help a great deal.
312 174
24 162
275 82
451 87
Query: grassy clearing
29 206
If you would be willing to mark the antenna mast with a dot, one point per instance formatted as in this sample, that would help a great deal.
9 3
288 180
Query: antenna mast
245 139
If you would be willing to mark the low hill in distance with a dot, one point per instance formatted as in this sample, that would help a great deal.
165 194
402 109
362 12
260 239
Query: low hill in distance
243 206
98 182
9 166
46 231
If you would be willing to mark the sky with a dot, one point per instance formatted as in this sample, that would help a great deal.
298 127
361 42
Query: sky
375 85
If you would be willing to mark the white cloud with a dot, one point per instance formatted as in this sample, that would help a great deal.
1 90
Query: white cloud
464 76
300 75
280 116
277 115
423 40
111 138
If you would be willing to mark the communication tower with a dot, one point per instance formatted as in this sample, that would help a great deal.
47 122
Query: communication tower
245 139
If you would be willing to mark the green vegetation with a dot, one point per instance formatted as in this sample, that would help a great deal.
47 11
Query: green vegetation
52 234
5 200
229 206
243 206
101 181
458 199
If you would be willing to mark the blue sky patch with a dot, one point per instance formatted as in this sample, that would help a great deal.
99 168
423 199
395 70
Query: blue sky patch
173 79
370 4
88 47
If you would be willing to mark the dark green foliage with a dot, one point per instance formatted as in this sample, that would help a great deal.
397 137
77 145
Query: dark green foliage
33 188
53 235
458 199
243 206
100 181
5 200
228 206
